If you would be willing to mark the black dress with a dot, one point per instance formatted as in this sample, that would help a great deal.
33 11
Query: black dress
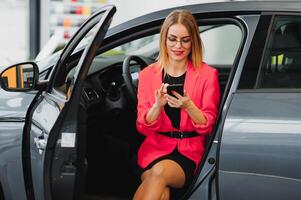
187 165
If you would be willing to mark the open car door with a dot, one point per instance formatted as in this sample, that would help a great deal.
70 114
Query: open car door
54 134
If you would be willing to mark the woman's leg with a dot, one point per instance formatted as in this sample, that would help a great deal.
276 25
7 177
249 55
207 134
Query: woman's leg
166 194
156 181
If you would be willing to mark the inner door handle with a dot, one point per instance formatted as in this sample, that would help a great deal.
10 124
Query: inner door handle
40 142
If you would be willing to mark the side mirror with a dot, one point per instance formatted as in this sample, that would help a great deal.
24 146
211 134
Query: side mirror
20 77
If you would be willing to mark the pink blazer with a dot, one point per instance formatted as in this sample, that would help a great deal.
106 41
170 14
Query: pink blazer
203 88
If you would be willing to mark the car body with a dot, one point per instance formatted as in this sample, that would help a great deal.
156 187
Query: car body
70 134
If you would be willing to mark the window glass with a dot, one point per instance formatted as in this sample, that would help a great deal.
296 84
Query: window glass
143 46
220 44
255 54
281 67
65 81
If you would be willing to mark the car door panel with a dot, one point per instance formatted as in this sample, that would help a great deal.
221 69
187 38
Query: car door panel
54 121
259 149
43 119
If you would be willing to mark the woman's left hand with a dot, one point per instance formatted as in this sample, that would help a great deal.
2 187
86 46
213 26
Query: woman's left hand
186 103
179 101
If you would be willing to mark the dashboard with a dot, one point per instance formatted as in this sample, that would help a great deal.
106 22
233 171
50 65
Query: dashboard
106 90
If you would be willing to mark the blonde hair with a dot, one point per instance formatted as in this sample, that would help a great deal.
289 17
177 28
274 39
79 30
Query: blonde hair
185 18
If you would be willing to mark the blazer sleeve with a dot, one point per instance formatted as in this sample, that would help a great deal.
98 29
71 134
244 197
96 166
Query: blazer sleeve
210 103
144 104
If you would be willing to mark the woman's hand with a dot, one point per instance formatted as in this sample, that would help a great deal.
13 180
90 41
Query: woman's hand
160 96
186 103
155 110
179 101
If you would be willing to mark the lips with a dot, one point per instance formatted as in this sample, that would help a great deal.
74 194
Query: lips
178 53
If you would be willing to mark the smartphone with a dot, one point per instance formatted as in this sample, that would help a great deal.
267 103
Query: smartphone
179 88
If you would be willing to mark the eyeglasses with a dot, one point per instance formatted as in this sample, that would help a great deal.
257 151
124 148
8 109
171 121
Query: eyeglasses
185 42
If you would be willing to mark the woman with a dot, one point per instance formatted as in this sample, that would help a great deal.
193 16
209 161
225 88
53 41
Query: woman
175 126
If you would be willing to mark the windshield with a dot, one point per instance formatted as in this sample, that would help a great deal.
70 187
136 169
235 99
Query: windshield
143 46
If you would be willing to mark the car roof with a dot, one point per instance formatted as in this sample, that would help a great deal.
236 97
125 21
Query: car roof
217 7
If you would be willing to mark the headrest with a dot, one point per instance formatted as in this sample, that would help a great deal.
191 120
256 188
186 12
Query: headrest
287 36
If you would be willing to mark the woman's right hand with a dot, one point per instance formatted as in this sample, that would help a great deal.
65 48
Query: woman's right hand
161 100
160 95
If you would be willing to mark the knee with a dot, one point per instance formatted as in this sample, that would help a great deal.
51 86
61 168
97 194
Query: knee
157 174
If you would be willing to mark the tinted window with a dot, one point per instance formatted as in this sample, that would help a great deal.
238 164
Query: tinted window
281 66
254 57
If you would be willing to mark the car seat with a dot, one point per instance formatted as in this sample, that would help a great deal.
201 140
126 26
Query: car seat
283 69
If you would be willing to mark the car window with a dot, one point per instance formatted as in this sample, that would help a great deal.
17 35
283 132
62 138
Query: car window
281 66
64 84
221 43
250 70
143 46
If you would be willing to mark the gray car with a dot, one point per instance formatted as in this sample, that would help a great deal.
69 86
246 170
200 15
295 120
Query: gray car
67 124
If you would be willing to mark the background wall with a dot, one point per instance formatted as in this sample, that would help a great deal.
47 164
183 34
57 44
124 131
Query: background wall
14 22
128 9
13 32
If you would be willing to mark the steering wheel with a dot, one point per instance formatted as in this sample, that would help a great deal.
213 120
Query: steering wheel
128 80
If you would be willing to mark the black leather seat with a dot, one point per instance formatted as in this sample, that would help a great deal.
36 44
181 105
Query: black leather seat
283 70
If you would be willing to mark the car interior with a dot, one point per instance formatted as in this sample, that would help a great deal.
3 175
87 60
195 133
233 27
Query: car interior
112 139
282 65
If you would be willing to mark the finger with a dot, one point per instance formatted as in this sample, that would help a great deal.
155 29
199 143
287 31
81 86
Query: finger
171 104
166 97
171 98
165 87
175 104
177 94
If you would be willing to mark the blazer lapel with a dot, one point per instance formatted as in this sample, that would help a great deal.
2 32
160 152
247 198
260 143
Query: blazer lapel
156 79
156 84
189 86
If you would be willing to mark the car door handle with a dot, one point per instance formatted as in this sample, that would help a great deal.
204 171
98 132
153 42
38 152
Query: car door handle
40 142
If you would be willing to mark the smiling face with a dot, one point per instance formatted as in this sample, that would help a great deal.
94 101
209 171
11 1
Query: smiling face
180 40
178 43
